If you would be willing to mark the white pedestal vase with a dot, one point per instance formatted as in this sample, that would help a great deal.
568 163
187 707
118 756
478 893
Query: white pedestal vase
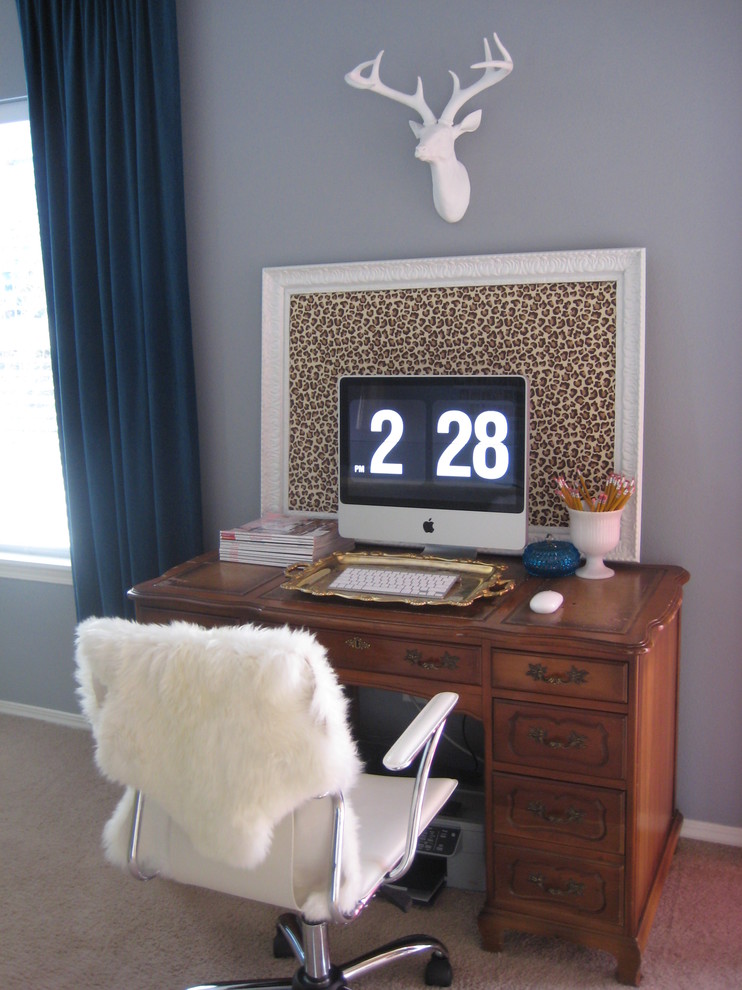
594 534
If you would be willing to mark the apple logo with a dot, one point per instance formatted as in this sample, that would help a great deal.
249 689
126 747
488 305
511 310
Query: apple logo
428 525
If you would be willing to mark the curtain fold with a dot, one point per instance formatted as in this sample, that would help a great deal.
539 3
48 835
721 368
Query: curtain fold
104 106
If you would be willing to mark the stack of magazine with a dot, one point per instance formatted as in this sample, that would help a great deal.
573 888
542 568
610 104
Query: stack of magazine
278 540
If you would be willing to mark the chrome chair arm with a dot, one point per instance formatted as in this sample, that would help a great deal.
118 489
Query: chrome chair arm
133 853
422 734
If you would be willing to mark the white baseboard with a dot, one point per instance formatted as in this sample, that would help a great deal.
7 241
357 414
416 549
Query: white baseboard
44 714
725 835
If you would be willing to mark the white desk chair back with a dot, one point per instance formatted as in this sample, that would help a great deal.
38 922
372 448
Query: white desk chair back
241 775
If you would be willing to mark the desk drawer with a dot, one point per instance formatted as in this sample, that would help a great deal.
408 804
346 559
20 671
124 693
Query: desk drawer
560 677
592 818
565 887
561 739
436 661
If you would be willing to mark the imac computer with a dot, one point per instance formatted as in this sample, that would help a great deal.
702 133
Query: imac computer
438 461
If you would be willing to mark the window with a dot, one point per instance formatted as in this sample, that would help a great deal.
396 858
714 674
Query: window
33 516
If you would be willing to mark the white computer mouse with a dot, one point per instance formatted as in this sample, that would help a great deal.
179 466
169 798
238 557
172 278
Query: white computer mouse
546 601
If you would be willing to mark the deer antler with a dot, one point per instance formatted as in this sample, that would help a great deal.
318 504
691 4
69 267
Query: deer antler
494 71
415 101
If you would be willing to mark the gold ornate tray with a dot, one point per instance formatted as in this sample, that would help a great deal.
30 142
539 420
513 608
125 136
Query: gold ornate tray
475 579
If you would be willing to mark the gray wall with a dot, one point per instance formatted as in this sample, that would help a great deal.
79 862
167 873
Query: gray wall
12 73
619 127
37 623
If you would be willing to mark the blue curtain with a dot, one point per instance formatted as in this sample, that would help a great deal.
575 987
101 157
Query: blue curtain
104 106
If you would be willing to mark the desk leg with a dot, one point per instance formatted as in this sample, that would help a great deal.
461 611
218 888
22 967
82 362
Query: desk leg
629 971
491 931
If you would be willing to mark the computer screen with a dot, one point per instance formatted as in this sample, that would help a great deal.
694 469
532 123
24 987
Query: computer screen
434 460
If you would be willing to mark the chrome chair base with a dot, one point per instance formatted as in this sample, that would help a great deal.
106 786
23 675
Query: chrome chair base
309 944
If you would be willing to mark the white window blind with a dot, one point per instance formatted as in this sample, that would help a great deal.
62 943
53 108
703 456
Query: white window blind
33 518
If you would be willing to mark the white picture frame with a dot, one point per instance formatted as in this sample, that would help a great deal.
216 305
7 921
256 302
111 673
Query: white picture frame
623 266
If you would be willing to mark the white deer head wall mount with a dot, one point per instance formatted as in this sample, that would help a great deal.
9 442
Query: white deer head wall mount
436 136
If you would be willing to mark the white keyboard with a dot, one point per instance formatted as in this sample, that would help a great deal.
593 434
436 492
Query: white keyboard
393 581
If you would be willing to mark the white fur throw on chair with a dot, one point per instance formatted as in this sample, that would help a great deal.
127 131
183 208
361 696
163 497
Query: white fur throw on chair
228 729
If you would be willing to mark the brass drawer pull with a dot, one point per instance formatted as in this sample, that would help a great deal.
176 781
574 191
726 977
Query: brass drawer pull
573 816
446 662
539 673
356 643
573 888
574 740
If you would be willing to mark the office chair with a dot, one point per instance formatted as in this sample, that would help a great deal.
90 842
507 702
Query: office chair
241 775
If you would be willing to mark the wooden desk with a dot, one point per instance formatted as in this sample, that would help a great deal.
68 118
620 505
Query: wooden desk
579 710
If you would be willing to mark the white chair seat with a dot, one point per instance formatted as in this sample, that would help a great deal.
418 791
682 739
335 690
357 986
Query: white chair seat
386 801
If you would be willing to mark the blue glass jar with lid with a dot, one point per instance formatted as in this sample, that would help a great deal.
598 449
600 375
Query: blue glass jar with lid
551 558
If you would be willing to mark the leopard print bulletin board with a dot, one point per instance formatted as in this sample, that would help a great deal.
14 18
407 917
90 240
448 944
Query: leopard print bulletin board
572 322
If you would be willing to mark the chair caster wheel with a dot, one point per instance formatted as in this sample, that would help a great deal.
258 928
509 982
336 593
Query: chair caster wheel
438 972
281 948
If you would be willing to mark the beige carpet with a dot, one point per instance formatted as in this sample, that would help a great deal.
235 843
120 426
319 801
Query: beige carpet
71 921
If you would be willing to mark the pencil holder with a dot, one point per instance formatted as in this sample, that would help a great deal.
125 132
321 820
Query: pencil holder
594 534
